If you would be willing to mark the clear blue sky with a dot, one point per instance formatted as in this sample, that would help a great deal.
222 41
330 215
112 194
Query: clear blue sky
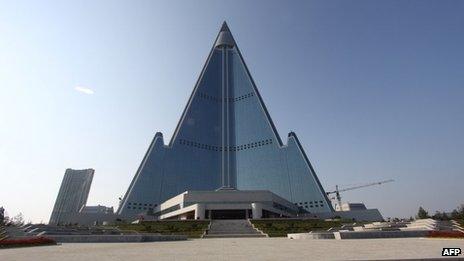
374 90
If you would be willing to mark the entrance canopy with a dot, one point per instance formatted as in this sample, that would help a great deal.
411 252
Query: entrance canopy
225 204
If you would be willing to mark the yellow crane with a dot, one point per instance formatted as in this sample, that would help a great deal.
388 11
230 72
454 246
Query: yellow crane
337 190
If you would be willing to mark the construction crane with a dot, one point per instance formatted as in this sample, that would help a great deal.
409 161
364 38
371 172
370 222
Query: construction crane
337 191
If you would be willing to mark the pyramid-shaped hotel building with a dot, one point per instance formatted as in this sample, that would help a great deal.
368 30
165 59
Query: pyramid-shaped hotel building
225 142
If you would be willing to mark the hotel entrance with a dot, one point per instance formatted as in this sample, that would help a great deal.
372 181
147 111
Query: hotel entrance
228 213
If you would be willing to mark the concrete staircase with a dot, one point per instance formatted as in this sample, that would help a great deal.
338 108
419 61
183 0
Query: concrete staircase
457 226
15 232
232 228
3 234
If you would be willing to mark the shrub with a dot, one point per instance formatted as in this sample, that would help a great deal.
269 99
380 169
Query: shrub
280 228
29 241
190 228
447 234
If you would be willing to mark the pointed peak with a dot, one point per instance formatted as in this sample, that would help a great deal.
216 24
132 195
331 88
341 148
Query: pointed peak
225 37
224 27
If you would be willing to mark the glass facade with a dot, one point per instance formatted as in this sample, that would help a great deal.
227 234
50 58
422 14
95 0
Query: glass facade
225 138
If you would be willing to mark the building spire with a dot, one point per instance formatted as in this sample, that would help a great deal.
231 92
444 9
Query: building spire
225 37
224 27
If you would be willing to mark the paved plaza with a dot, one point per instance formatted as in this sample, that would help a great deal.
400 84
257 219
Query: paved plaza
239 249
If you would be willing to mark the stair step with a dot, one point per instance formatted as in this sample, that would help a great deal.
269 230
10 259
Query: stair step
233 232
232 228
232 235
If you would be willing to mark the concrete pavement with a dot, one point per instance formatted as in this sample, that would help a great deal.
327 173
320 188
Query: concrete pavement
239 249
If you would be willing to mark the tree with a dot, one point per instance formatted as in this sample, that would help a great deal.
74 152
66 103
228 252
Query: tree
458 213
2 215
436 216
18 220
444 216
440 216
460 210
422 213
